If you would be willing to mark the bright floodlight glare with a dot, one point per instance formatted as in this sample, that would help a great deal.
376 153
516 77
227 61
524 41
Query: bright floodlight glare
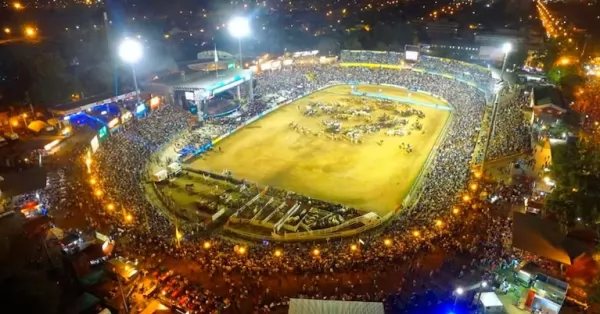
130 50
239 27
507 47
459 291
484 284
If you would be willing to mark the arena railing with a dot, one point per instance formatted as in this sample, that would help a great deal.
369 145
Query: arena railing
409 200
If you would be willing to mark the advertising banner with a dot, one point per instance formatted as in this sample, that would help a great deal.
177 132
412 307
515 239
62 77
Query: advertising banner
351 64
95 144
103 133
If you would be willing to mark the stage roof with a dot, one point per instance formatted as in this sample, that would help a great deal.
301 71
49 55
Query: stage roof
196 80
302 306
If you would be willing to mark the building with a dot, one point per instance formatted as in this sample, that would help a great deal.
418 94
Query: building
547 104
453 49
441 29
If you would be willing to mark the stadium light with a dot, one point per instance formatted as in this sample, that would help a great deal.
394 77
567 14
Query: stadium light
239 27
130 51
459 291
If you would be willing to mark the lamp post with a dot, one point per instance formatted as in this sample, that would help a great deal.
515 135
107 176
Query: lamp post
130 51
457 292
506 48
239 27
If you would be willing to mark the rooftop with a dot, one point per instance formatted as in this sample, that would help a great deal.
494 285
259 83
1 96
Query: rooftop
548 95
77 105
542 237
202 80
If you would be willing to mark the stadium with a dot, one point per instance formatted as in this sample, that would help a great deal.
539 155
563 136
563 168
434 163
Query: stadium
326 150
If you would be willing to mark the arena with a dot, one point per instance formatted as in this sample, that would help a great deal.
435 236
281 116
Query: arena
292 148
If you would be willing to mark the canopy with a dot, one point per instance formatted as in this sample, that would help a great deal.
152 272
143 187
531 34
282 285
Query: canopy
302 306
53 121
490 299
37 125
57 233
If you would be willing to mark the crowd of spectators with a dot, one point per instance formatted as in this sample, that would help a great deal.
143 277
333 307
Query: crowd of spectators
439 218
512 134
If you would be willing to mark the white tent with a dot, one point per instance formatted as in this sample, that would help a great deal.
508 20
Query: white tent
303 306
57 233
491 303
37 125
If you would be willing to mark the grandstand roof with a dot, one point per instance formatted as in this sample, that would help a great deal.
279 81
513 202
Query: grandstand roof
195 80
302 306
548 95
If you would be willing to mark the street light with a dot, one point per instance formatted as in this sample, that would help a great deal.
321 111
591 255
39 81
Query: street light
239 27
6 30
458 291
482 285
30 32
130 51
506 48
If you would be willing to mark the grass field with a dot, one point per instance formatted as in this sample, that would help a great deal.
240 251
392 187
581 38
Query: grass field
367 176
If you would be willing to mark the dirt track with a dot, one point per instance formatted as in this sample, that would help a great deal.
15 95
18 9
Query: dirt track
366 176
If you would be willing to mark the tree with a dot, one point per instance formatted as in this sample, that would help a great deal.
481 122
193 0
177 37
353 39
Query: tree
576 173
328 45
587 102
352 43
381 46
567 76
50 83
41 75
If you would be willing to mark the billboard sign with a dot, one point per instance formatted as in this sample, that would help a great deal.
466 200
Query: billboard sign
95 143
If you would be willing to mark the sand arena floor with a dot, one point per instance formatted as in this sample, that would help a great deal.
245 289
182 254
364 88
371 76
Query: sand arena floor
367 176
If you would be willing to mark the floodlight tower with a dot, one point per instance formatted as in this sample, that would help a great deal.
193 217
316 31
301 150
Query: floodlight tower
239 27
130 51
506 48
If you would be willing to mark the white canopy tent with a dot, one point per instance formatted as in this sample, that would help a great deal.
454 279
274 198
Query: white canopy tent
303 306
491 303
